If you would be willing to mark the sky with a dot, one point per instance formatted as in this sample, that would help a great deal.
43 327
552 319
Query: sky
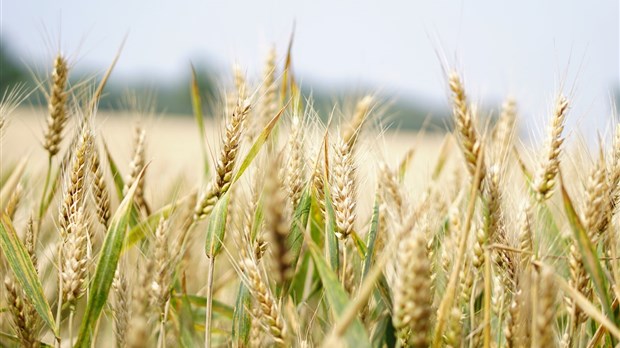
529 49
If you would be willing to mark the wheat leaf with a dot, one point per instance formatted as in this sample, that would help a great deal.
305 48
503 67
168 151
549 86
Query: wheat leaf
106 266
25 273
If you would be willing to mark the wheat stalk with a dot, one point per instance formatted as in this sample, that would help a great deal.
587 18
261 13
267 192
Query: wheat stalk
412 291
13 203
351 132
226 162
464 120
76 179
504 130
550 165
270 314
595 216
100 190
268 90
121 308
57 114
74 252
161 258
22 314
543 336
138 332
343 190
296 162
136 166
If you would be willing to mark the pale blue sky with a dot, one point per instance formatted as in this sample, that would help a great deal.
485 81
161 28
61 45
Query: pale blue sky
526 48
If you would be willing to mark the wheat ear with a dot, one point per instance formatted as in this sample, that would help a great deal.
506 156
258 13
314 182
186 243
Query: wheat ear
100 190
14 199
120 307
464 120
57 114
136 165
76 178
295 176
596 213
504 130
74 252
268 90
412 291
21 314
226 162
351 132
139 328
546 307
160 286
270 314
344 190
550 166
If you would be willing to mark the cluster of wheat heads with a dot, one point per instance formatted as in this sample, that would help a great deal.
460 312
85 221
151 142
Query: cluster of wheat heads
273 247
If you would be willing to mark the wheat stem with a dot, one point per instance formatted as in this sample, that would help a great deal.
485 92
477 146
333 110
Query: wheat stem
445 305
71 316
209 308
44 193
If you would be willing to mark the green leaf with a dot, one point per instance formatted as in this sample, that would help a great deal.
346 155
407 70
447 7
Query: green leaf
216 228
331 240
356 335
242 321
258 144
21 265
371 238
298 227
182 318
219 308
106 266
526 172
384 333
552 231
287 69
137 232
404 164
257 220
198 115
119 183
588 253
297 289
188 336
360 245
444 154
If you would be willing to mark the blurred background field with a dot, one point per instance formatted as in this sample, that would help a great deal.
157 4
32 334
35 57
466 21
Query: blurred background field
173 149
395 49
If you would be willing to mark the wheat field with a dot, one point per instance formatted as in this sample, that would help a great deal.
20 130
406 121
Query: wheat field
267 226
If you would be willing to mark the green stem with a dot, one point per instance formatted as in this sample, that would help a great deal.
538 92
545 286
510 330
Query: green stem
161 342
487 298
209 297
71 313
343 274
59 305
45 186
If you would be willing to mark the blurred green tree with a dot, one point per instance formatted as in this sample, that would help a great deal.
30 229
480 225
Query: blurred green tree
11 71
